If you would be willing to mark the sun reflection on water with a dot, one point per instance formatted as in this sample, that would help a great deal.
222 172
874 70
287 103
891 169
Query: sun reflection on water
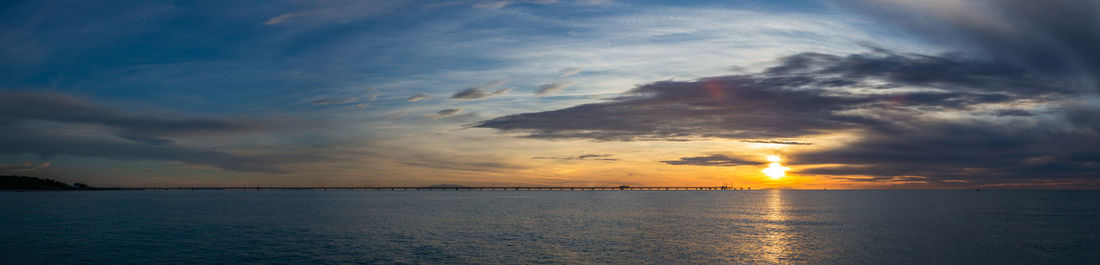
776 240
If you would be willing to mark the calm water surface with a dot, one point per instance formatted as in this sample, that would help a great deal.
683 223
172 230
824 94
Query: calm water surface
627 227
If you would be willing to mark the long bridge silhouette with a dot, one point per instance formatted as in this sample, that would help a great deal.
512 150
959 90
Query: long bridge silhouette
446 188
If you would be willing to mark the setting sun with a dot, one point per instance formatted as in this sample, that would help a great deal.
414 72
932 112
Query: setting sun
775 170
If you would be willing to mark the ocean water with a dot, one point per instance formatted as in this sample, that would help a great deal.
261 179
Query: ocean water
608 227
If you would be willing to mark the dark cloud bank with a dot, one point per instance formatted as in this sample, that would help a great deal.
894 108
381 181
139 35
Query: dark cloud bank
1016 113
478 93
138 137
719 160
600 157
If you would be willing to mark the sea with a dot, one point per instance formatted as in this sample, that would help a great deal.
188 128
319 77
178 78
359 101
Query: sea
551 227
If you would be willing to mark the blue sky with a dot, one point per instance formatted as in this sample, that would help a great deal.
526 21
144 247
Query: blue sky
366 92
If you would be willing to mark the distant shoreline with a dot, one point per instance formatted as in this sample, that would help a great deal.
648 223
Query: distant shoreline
25 183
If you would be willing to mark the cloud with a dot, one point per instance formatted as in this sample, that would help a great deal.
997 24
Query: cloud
1057 37
566 72
334 12
457 162
280 18
25 166
139 137
395 115
495 83
362 105
551 88
48 145
775 142
502 4
458 115
478 93
967 149
944 117
444 114
417 97
493 4
896 179
147 140
806 94
335 101
601 157
714 160
445 4
597 2
18 107
373 97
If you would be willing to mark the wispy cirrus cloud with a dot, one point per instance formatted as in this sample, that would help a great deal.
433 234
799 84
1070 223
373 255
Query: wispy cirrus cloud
570 71
335 101
444 114
334 11
479 92
498 4
550 88
279 19
776 142
418 97
599 157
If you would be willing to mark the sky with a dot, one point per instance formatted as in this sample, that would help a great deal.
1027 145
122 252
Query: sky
882 94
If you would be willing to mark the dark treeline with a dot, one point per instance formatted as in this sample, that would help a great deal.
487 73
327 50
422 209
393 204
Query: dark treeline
32 183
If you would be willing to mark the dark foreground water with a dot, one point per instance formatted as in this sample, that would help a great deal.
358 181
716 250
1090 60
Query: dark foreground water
629 227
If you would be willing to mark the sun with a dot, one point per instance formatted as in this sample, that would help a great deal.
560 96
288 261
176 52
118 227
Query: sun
775 170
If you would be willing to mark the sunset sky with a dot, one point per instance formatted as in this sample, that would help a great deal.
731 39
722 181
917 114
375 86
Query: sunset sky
847 94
